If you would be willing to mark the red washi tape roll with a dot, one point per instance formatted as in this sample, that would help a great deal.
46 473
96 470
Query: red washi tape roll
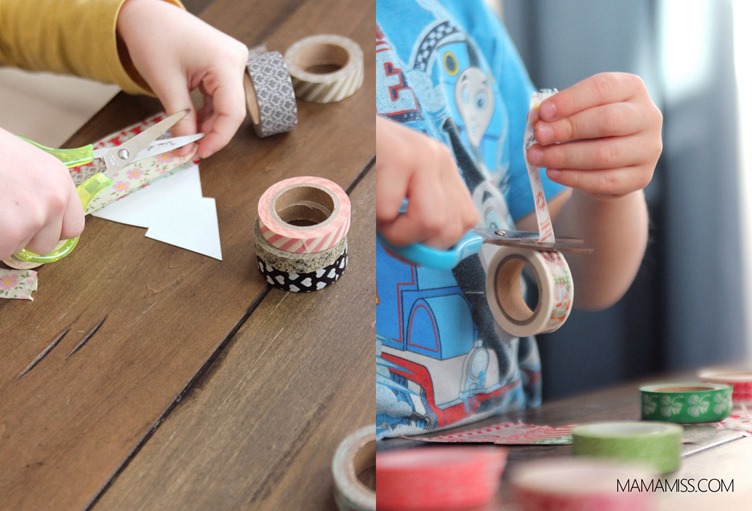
739 379
304 215
580 485
438 478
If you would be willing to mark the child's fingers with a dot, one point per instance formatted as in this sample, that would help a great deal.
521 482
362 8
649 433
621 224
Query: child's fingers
612 120
227 114
599 89
175 96
605 184
600 154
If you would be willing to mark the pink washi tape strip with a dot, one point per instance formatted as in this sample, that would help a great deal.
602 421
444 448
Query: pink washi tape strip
580 485
739 379
545 227
438 478
304 215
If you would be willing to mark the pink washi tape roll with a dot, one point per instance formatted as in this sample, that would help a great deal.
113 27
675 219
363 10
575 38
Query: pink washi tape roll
739 379
505 297
304 215
438 478
581 485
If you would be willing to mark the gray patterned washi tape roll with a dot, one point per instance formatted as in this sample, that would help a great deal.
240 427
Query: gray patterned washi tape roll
325 68
269 94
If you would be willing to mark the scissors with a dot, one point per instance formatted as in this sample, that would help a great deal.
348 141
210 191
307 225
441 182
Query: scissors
141 146
471 243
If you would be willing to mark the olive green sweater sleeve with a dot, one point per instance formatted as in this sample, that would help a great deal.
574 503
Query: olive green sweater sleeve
68 36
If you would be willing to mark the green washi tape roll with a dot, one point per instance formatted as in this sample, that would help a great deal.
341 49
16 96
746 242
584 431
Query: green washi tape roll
686 403
657 445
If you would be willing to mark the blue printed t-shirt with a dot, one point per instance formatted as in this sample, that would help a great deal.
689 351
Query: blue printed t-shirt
449 69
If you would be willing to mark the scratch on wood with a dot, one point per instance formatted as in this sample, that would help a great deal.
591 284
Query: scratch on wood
86 337
44 352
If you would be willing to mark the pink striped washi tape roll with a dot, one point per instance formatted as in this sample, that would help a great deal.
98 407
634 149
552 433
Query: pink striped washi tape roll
304 215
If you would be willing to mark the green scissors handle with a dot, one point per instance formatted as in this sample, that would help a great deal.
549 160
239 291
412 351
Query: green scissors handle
70 157
86 192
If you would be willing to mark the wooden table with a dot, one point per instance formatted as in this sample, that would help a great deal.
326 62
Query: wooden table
204 388
725 455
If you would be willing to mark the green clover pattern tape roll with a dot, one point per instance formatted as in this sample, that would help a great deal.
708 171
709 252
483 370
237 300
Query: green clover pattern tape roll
686 403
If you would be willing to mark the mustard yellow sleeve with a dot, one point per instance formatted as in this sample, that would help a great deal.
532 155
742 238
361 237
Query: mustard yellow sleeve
68 36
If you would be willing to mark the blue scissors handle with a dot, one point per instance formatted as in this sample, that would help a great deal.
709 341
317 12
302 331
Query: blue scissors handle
436 258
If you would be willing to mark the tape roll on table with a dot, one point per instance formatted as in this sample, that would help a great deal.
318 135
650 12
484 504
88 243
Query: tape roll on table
740 381
656 444
438 478
686 403
579 485
304 215
325 51
301 233
269 94
354 461
505 298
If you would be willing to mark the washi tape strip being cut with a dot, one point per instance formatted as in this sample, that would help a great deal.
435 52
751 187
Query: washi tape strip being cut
579 485
686 403
269 94
325 68
353 468
739 379
505 298
655 444
438 478
545 227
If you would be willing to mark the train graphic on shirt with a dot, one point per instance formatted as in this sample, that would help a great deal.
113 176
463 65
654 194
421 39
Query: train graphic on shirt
438 375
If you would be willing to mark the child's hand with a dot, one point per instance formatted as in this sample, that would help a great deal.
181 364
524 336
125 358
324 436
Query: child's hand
414 166
175 53
39 205
601 136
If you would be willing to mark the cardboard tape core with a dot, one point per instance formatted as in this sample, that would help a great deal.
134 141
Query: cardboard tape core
509 291
304 206
322 58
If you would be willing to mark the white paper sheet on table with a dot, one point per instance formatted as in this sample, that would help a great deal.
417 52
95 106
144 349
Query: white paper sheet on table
174 211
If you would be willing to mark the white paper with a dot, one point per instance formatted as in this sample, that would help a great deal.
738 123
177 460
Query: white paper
174 211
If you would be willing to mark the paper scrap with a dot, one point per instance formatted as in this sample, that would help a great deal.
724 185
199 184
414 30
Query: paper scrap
174 211
508 433
17 284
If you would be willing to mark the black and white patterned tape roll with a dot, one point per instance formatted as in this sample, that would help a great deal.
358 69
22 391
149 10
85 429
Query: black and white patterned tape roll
325 68
304 282
269 94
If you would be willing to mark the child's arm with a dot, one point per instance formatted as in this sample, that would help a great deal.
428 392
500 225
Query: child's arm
414 166
175 53
601 137
39 205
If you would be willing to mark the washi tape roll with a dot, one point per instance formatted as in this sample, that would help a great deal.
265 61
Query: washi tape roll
686 403
269 94
656 444
505 298
438 478
325 68
353 470
579 485
740 381
304 215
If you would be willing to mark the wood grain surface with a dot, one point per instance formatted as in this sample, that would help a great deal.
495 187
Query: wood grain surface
73 422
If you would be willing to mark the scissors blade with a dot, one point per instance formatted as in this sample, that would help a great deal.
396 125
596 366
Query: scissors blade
127 152
157 147
530 240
